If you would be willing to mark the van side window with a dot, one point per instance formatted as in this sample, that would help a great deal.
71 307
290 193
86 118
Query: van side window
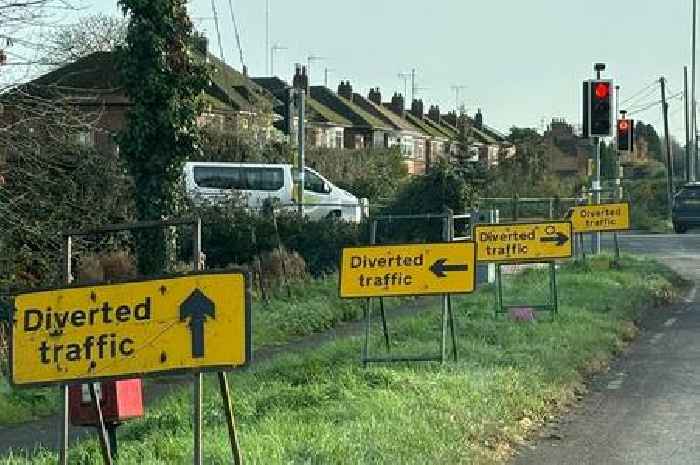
239 178
313 183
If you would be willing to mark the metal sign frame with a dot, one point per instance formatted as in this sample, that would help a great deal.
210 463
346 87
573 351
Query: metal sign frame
447 314
551 306
198 382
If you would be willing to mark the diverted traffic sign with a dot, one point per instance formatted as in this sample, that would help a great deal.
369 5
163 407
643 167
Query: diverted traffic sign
415 269
523 242
192 322
604 217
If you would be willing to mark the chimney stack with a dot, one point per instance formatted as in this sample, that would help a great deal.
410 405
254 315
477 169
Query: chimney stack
305 79
417 108
434 114
451 118
345 90
479 119
398 105
297 79
375 96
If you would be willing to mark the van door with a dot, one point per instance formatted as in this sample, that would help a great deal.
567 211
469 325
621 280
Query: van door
264 183
317 196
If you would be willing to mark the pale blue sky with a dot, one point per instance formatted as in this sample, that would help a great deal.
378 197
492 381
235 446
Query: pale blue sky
521 60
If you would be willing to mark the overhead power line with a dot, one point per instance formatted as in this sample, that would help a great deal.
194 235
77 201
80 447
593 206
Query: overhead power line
235 30
653 84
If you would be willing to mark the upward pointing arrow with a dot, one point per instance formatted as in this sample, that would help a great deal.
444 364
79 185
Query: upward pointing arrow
197 307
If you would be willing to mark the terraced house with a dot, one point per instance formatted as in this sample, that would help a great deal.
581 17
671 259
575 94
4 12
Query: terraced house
92 86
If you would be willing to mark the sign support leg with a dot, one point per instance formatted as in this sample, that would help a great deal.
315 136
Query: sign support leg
112 436
499 291
443 340
63 429
384 325
368 322
68 277
197 401
553 286
104 440
452 327
230 420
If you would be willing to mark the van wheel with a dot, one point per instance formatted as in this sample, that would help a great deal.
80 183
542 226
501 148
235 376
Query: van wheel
335 214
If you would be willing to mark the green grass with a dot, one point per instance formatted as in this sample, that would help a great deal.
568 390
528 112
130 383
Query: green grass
320 406
308 307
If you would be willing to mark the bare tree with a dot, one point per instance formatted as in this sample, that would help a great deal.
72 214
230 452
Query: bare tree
96 33
21 23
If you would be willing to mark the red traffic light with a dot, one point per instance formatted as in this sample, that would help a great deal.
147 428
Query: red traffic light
602 90
623 125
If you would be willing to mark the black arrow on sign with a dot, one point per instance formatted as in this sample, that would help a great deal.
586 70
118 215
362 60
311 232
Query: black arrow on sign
439 268
560 238
197 307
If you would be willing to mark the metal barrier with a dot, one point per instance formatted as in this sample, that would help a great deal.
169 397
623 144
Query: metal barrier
447 314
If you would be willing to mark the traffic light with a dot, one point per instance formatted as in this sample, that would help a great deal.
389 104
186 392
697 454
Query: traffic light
597 108
625 135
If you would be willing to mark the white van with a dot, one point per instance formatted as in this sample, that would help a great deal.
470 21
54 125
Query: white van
259 182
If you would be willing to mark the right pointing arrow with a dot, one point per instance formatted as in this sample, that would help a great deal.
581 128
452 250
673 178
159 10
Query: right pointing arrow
560 238
439 268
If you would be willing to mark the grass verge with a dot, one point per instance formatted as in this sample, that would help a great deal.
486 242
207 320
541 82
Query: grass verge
319 406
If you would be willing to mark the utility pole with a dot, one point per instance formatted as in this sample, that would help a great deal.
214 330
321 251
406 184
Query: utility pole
693 117
275 48
312 59
267 35
413 84
325 76
405 77
689 166
457 90
669 158
301 147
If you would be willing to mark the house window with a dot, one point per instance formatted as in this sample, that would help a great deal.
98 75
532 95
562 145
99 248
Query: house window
407 147
210 120
339 139
85 138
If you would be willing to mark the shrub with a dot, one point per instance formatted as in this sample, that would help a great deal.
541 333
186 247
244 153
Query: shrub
442 187
375 174
233 235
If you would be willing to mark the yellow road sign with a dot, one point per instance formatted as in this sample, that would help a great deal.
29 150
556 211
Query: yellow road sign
415 269
199 321
605 217
523 242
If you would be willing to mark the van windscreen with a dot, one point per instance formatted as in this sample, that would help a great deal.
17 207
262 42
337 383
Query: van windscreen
239 178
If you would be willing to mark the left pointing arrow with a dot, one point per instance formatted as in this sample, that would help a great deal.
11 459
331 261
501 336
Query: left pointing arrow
197 307
439 268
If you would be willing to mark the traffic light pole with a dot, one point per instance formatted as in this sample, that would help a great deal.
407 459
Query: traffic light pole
596 192
596 181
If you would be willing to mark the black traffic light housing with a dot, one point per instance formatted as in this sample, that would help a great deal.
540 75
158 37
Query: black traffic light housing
597 108
625 135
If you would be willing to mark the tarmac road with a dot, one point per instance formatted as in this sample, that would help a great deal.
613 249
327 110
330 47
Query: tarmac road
646 409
